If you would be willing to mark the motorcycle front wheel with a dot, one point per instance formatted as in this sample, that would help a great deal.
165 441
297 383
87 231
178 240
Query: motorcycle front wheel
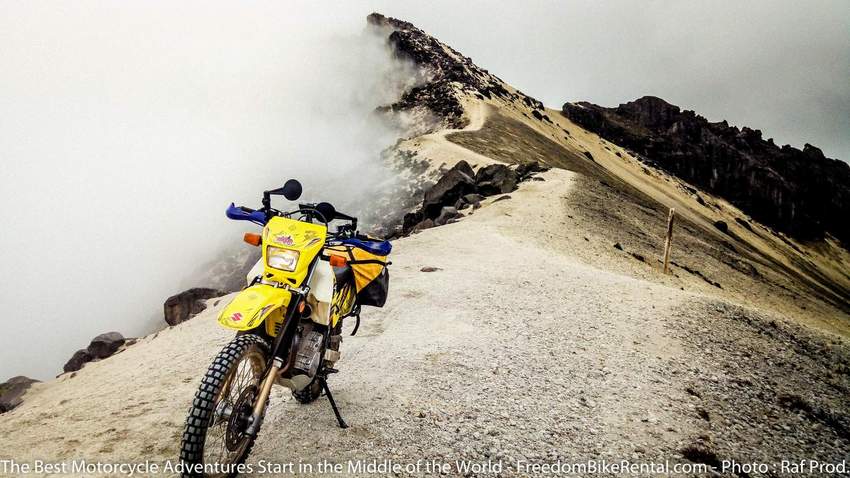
214 441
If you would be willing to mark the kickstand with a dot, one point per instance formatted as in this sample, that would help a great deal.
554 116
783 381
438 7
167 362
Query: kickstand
327 390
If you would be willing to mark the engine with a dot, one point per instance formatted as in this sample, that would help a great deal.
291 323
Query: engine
308 356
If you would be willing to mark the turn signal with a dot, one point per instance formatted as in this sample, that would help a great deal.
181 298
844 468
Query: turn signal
253 239
338 261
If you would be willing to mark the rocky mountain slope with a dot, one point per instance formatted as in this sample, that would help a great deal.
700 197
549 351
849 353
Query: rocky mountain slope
535 323
802 193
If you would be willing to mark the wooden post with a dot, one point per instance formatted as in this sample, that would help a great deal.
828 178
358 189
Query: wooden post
668 243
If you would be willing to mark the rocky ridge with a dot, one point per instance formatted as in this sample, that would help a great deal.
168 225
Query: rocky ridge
446 75
799 192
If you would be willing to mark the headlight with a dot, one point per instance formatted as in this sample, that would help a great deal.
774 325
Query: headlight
281 259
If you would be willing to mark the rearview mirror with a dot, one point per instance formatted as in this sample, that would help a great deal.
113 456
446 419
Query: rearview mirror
327 211
291 190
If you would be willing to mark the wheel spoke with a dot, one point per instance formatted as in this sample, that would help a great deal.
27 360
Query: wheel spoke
245 373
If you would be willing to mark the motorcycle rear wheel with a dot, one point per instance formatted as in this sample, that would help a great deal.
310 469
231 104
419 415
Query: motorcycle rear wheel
214 432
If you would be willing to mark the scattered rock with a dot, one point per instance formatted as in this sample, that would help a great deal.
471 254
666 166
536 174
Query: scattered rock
618 246
426 224
468 200
12 391
502 198
100 347
77 361
722 226
526 168
446 213
745 224
105 345
495 179
451 187
430 269
183 306
465 168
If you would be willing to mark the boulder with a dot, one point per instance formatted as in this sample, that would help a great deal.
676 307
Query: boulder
426 224
105 345
454 184
12 391
183 306
467 200
77 361
411 219
446 214
472 198
526 168
465 168
495 179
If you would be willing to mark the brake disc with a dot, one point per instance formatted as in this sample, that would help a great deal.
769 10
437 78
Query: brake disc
240 418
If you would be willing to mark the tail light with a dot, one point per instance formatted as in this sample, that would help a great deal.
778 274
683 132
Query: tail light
338 261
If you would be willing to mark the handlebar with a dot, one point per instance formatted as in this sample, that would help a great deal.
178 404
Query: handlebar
261 217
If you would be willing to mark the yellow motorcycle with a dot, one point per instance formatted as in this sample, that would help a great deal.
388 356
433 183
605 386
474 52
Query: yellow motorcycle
288 323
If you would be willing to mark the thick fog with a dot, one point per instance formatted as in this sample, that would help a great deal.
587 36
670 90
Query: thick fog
126 128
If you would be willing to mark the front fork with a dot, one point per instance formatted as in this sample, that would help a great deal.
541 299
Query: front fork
283 346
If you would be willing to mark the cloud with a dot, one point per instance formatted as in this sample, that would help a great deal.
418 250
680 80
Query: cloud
128 128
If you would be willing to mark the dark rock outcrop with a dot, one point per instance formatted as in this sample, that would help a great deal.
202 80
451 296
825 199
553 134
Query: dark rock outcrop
495 179
444 72
12 391
104 345
800 192
183 306
100 347
76 362
461 187
451 187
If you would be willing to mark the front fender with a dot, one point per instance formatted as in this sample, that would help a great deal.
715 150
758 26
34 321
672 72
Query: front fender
252 306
